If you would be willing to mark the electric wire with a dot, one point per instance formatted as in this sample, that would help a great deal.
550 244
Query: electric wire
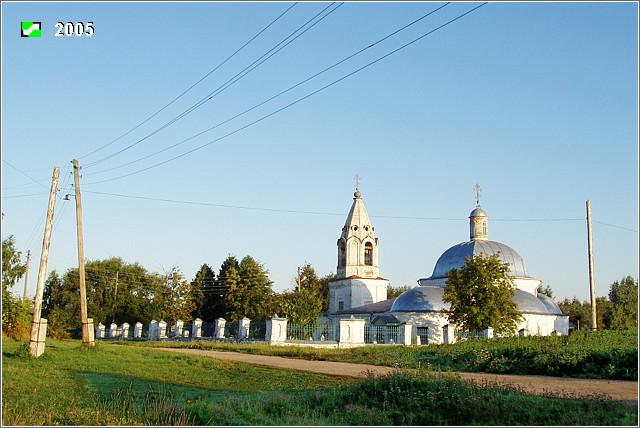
26 175
175 201
193 85
371 45
292 103
227 84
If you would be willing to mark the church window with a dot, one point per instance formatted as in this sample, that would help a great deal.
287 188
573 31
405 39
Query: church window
342 254
368 254
423 334
340 305
355 227
484 228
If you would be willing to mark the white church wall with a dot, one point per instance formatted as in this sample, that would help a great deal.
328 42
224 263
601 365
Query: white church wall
544 325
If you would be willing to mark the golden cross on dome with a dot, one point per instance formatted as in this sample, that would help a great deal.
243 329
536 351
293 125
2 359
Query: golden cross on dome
478 190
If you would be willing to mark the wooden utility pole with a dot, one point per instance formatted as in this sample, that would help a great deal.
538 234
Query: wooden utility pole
87 339
115 294
592 286
36 342
26 275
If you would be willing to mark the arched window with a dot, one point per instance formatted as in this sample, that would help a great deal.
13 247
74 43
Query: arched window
368 254
342 254
485 232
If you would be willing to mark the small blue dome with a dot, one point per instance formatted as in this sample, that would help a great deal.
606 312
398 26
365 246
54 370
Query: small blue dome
478 212
455 257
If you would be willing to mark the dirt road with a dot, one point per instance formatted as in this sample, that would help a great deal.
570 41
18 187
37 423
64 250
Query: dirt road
618 390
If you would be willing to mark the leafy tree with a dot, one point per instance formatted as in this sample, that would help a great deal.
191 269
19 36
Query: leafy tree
250 292
624 298
16 313
131 302
396 291
56 308
604 312
12 268
480 296
300 306
579 312
306 303
324 289
173 298
546 290
209 304
234 294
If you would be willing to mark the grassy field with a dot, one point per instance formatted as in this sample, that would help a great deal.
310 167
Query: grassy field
133 385
595 355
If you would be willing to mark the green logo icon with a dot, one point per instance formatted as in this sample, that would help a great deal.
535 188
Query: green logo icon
31 29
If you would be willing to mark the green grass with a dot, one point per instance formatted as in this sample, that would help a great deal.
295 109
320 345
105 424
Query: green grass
131 385
32 388
595 355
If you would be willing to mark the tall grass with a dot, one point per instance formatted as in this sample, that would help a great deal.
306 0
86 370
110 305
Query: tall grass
598 355
121 385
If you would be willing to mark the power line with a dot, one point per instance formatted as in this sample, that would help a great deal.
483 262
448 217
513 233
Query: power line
25 174
192 86
613 225
292 103
175 201
369 46
229 82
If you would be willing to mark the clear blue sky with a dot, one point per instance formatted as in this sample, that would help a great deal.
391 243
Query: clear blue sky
536 102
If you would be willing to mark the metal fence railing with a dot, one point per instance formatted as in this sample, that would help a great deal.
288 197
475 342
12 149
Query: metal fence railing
316 331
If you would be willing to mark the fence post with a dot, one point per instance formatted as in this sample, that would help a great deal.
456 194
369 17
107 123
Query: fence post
487 333
351 332
220 323
196 328
407 334
449 334
276 330
243 328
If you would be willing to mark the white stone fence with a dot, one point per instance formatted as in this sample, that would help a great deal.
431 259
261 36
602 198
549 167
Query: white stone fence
157 330
350 332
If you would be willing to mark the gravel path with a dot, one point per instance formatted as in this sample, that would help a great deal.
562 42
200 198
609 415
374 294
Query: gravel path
626 391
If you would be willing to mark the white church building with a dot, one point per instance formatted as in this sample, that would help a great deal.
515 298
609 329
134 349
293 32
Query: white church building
359 292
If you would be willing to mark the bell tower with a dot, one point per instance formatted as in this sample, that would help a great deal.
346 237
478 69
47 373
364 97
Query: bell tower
358 279
357 245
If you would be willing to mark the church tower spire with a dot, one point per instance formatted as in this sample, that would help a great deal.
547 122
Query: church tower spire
358 246
358 282
478 220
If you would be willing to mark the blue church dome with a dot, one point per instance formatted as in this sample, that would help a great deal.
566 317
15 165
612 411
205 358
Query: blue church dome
455 257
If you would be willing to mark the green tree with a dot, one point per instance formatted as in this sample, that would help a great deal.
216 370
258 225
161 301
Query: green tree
173 298
396 291
307 302
579 312
16 313
546 290
12 268
251 295
208 301
300 306
129 299
480 296
604 312
624 298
